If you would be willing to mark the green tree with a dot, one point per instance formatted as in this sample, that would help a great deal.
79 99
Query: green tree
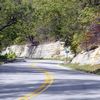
17 20
40 20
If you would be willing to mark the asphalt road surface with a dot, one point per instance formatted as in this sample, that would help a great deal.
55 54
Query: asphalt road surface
46 80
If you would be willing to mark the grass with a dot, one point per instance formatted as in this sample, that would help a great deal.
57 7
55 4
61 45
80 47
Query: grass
95 69
57 58
1 62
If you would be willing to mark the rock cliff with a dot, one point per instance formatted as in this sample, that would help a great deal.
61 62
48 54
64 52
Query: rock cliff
54 50
91 57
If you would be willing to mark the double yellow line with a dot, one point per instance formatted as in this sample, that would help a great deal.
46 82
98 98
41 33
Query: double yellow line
47 82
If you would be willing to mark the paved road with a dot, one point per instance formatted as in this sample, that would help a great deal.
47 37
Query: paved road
46 80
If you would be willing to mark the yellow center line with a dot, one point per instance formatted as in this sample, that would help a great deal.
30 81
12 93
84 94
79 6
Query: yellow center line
47 82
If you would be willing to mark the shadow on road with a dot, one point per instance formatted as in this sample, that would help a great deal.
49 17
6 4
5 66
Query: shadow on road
66 86
14 69
10 90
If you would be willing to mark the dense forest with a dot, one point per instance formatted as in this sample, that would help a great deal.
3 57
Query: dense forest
76 22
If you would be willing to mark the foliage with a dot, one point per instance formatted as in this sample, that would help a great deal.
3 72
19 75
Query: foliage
10 56
17 20
19 40
75 44
2 57
35 21
92 38
95 69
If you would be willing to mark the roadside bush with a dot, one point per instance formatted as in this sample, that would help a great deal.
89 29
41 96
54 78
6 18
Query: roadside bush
2 57
7 57
75 43
10 56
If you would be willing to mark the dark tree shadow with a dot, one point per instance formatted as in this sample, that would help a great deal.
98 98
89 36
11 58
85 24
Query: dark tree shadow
60 86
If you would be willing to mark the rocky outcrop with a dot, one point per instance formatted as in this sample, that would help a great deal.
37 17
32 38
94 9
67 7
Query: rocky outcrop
54 50
47 50
91 57
18 50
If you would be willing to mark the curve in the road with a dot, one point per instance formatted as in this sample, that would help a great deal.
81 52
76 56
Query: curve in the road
47 82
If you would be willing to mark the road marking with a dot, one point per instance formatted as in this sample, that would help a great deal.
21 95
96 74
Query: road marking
47 83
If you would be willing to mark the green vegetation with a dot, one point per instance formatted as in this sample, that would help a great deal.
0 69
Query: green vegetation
7 57
95 69
2 59
10 56
37 21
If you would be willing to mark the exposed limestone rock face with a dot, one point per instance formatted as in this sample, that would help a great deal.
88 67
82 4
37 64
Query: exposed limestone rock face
47 50
14 48
92 57
54 50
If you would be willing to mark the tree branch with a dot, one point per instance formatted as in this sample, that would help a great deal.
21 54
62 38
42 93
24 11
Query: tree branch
12 20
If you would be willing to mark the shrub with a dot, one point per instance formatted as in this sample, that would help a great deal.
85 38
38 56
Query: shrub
2 57
10 56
